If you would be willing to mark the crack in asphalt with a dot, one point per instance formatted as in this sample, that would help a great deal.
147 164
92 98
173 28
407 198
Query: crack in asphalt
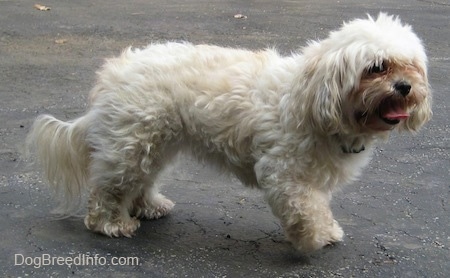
435 2
30 241
385 251
202 229
183 180
364 218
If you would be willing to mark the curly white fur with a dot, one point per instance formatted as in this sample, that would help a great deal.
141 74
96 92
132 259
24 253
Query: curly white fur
297 127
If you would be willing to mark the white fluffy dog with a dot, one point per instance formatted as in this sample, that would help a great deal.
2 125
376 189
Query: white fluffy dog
297 127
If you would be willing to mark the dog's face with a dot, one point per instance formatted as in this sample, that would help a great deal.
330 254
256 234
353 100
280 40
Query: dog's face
390 95
368 77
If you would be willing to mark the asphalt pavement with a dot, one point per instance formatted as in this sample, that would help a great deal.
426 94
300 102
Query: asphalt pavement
395 218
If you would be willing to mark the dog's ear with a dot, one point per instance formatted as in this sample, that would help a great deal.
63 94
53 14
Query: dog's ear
320 89
423 113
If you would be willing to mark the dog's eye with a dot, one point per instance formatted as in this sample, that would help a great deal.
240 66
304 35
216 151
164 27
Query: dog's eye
380 68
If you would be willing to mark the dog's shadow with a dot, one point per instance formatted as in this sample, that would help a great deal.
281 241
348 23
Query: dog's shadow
203 239
177 238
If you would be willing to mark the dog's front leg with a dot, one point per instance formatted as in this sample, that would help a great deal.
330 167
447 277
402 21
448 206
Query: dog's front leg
305 215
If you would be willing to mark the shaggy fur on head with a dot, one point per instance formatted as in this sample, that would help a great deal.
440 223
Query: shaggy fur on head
297 127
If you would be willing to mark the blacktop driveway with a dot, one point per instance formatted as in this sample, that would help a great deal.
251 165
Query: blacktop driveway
396 218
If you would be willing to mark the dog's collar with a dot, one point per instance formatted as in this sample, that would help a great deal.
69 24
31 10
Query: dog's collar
350 145
346 150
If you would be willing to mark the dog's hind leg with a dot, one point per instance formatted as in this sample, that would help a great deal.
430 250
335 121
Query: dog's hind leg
110 197
124 164
124 192
150 204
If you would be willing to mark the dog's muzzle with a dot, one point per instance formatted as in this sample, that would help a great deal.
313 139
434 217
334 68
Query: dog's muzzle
393 109
403 88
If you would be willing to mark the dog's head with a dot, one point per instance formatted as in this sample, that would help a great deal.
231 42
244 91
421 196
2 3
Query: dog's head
368 77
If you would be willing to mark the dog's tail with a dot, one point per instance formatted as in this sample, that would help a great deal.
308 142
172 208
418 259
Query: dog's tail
62 151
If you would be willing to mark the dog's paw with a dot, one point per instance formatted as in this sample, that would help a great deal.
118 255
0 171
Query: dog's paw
154 209
335 234
311 239
113 229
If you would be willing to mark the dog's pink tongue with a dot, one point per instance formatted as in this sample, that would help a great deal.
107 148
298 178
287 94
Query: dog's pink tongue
396 113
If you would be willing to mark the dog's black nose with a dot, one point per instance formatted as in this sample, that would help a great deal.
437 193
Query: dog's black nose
403 88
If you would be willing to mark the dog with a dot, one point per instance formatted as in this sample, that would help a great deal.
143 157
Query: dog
298 127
